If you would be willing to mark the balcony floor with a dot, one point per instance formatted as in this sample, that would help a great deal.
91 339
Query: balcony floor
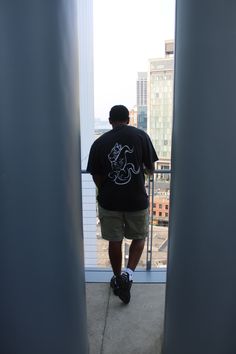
115 328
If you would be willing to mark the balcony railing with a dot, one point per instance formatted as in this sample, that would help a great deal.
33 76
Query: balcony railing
154 256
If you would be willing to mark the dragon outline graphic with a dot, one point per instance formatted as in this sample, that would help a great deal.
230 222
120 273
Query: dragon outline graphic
122 170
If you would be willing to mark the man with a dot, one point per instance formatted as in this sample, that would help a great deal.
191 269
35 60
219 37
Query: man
117 161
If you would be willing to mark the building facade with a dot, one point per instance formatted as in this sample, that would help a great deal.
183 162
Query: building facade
142 101
160 104
133 117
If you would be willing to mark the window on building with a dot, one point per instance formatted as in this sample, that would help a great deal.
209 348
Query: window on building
166 207
160 206
160 213
166 214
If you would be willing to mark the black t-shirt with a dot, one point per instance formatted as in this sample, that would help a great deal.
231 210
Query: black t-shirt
121 155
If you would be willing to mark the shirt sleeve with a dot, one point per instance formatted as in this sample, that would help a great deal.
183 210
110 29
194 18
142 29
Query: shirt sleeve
94 166
149 153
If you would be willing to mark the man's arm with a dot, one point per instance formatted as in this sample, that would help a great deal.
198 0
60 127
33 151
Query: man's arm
150 171
149 155
98 180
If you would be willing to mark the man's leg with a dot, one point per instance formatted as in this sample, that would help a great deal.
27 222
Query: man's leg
136 228
125 280
115 255
135 252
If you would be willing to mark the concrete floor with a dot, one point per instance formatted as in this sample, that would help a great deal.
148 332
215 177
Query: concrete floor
115 328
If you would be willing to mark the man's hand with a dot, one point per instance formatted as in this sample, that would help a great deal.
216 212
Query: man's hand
149 171
98 180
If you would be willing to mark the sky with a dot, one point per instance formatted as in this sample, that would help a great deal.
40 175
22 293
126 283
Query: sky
126 34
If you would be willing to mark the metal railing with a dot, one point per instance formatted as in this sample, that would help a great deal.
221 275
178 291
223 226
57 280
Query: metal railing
155 253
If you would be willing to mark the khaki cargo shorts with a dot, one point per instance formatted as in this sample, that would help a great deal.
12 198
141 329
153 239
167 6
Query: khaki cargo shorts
115 225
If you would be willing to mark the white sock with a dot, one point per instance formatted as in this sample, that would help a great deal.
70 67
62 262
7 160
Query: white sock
130 272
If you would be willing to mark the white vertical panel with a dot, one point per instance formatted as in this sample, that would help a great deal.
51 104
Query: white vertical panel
85 29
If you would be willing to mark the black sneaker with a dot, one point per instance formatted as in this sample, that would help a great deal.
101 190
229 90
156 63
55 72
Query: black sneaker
114 285
124 286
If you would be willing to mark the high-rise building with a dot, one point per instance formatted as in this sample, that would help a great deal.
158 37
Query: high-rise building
142 100
160 103
133 117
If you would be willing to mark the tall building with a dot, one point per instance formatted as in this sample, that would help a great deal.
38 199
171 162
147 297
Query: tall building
133 117
160 103
142 100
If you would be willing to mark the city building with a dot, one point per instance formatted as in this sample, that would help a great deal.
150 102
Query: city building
160 104
161 210
133 115
142 101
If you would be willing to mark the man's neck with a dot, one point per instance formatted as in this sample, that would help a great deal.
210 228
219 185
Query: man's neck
118 124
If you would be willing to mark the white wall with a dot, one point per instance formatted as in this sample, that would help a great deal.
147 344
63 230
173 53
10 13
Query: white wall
86 80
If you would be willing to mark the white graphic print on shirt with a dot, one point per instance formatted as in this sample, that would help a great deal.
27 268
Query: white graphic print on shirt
121 169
